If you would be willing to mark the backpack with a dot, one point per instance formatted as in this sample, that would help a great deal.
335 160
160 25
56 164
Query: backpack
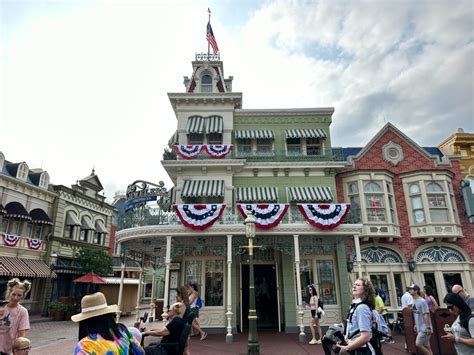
199 302
377 332
382 294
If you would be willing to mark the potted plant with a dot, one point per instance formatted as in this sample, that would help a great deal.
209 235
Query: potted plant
58 310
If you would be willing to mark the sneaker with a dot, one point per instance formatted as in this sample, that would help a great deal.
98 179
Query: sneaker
389 340
318 341
313 341
203 336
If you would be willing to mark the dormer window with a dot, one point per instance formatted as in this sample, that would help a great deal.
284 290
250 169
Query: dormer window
206 83
2 161
44 180
22 172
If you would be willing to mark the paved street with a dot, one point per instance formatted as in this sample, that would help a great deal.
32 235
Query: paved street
59 338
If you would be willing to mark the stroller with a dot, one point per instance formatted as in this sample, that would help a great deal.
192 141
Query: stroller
333 336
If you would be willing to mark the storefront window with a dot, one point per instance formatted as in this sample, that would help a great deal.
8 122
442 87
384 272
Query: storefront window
327 282
306 275
380 281
148 290
214 283
193 272
398 288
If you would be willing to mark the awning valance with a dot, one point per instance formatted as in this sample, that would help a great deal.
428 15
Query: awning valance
72 220
305 133
215 124
256 194
257 134
310 194
203 188
12 266
100 227
38 216
87 223
196 124
17 211
2 210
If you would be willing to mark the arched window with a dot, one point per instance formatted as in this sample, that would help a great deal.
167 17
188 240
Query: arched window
375 202
2 161
439 254
44 180
22 172
373 255
206 83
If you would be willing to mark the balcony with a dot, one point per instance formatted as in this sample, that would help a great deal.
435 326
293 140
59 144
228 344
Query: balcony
430 232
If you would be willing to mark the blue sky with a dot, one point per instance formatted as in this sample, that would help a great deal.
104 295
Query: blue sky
84 83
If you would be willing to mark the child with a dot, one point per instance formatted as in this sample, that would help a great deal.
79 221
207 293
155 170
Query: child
21 346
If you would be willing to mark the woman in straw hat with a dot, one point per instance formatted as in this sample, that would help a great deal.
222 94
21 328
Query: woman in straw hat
98 331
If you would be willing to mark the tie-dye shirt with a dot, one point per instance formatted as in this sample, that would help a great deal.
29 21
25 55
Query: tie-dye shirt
95 344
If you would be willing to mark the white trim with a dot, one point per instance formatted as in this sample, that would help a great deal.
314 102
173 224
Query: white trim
94 308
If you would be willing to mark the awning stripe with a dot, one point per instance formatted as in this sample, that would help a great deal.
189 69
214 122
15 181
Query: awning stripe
100 227
257 134
39 267
203 188
310 194
87 223
2 209
195 125
305 133
256 194
17 211
71 219
39 216
12 266
215 124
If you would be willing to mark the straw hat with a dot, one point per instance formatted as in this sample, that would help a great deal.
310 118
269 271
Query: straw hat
92 306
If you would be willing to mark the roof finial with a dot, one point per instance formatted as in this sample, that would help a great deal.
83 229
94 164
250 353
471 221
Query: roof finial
93 170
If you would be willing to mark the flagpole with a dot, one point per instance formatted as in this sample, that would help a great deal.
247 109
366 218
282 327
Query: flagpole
208 44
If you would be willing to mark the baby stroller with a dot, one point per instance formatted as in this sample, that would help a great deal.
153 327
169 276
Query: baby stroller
333 336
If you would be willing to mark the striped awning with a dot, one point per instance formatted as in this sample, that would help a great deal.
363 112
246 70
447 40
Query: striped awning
100 227
87 223
215 124
196 124
39 216
257 134
12 266
305 133
17 211
203 188
71 219
256 194
310 194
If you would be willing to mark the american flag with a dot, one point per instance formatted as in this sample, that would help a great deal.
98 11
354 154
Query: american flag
211 39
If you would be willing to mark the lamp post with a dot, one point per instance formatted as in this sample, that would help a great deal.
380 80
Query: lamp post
253 345
123 259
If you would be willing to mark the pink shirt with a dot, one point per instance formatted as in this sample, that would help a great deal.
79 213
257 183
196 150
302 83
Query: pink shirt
11 321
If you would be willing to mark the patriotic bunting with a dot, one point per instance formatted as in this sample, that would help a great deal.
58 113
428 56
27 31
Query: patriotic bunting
34 244
324 216
188 151
267 216
217 150
199 216
10 240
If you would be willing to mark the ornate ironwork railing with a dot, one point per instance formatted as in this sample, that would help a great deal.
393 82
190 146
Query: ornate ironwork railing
207 57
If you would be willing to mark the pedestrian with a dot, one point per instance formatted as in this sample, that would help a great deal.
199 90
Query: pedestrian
183 297
427 294
98 331
315 315
421 315
358 330
407 299
459 290
196 303
171 332
382 310
21 346
14 319
462 330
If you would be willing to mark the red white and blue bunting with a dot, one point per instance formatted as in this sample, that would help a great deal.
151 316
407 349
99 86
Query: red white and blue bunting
34 244
10 240
188 151
199 216
267 216
218 150
324 216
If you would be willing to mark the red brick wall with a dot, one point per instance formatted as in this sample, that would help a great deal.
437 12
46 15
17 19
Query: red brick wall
113 229
413 161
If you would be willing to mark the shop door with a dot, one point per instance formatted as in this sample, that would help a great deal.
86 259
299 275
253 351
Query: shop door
266 301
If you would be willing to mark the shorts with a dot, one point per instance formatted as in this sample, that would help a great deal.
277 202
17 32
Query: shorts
196 311
423 339
313 314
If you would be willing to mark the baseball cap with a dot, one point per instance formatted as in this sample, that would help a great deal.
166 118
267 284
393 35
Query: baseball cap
415 287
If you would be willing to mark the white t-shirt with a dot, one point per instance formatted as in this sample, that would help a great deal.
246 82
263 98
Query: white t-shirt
407 300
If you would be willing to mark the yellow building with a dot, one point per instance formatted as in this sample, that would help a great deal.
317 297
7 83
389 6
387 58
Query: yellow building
462 144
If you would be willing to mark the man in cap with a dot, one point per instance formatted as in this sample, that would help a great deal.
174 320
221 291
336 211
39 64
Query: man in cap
459 290
421 315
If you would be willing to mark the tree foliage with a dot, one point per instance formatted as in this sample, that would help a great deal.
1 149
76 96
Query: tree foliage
95 260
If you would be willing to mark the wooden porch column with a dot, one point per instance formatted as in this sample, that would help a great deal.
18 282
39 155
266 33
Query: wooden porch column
229 338
167 278
299 298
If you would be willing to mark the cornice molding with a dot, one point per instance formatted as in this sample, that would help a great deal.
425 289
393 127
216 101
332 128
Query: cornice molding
88 203
285 112
14 184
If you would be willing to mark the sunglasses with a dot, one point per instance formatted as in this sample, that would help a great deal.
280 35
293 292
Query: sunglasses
461 290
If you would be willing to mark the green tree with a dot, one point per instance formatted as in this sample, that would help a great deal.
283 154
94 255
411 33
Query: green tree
95 260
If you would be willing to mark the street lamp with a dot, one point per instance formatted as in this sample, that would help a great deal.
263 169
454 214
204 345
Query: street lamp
53 259
253 345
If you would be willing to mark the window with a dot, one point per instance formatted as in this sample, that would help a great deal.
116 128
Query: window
195 138
147 292
244 145
264 145
375 205
293 146
44 180
398 288
313 146
306 276
83 235
206 83
324 281
97 238
14 227
214 138
354 200
22 172
380 281
417 204
208 275
437 202
69 231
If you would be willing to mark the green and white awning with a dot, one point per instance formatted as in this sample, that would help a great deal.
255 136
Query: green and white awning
305 133
310 194
200 125
256 194
203 188
257 134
